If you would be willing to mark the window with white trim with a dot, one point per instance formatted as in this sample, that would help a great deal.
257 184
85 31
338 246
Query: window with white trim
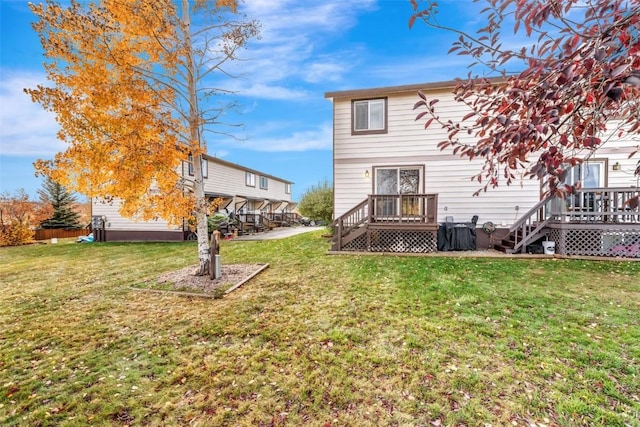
591 174
250 179
264 182
205 167
369 116
287 188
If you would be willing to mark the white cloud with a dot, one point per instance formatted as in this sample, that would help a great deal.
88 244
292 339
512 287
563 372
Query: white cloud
320 138
265 91
293 36
217 153
324 71
25 128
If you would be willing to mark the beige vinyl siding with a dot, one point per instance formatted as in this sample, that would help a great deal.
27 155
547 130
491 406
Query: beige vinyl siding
228 180
452 184
115 221
223 177
408 143
617 149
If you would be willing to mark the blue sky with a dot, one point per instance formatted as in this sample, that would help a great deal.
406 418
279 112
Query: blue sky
307 48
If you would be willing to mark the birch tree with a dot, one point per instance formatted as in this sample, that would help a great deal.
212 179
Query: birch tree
135 85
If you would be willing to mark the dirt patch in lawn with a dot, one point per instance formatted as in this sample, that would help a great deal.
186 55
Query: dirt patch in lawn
232 276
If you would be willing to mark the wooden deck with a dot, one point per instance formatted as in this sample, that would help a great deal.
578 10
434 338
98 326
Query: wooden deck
389 223
591 222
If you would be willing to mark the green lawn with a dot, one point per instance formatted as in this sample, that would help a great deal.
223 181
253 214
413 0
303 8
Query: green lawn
316 340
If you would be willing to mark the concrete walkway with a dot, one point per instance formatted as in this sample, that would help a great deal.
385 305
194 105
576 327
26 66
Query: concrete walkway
278 233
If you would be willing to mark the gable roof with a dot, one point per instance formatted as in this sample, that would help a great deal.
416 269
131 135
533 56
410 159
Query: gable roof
243 168
379 91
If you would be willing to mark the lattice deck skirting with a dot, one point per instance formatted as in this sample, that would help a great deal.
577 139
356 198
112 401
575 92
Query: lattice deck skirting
597 242
401 241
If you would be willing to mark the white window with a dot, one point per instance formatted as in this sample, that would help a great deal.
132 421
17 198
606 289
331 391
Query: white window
590 174
264 182
205 167
250 179
398 180
370 116
287 188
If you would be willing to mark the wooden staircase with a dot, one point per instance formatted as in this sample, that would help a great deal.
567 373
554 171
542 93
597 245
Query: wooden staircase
529 228
351 225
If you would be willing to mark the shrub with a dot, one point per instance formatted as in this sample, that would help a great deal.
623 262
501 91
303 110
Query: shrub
317 202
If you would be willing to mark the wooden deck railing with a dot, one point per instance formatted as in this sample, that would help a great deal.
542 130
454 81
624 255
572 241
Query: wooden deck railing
417 209
283 218
602 205
349 222
587 205
252 223
529 226
404 208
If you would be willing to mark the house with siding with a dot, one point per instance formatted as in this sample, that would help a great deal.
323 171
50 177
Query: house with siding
257 200
396 191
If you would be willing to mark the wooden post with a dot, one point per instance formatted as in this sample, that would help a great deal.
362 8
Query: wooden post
214 248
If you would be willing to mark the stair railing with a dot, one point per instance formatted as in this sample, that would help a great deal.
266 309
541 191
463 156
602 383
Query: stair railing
531 223
350 221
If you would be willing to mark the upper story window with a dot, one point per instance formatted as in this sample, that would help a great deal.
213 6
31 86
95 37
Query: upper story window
264 182
250 179
369 116
287 188
205 167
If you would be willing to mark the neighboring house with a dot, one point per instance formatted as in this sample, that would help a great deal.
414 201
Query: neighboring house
256 199
395 190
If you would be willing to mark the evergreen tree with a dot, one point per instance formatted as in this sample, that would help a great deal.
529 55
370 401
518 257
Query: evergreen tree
64 215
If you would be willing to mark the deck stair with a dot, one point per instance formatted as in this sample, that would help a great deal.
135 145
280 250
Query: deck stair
530 234
531 227
351 225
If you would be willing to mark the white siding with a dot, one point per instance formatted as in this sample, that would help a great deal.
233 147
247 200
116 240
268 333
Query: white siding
222 178
115 221
230 180
408 143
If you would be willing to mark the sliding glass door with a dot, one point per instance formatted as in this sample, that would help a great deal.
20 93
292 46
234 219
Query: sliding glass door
395 181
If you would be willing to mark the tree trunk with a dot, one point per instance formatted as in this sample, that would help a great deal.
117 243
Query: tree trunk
201 221
196 143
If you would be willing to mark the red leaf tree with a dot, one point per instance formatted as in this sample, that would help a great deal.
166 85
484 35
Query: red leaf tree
578 88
